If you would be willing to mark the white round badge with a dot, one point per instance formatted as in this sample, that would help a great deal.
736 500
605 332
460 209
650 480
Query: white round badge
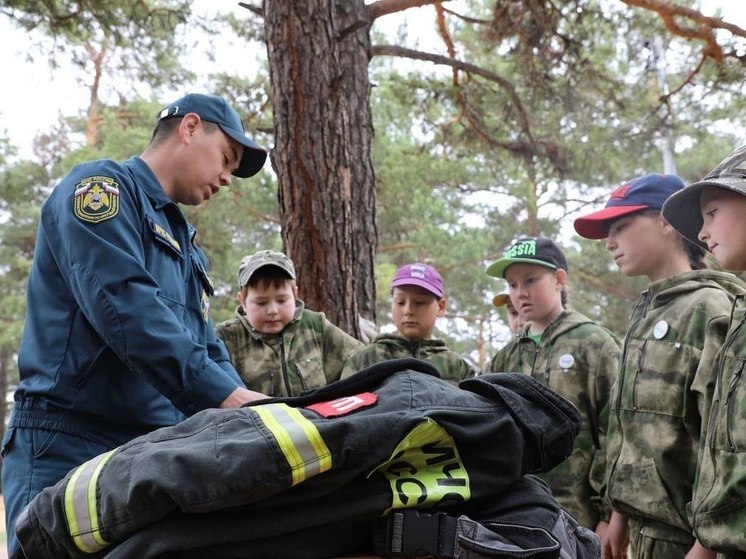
566 361
660 329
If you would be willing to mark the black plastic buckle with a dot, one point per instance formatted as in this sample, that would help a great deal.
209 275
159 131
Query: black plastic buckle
410 532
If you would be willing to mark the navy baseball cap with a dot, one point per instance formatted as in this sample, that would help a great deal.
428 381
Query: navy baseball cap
682 209
217 110
643 193
541 251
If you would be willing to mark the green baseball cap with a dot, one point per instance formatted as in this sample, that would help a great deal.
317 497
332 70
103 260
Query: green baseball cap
541 251
250 264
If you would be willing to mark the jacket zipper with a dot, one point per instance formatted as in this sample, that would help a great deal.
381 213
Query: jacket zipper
730 405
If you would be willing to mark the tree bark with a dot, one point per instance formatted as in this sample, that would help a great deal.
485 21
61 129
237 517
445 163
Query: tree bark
318 52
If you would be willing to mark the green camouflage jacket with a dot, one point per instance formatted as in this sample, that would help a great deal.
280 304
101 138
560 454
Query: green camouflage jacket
308 353
450 364
720 496
662 398
579 360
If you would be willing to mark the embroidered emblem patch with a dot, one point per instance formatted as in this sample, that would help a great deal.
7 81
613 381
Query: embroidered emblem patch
96 199
344 405
205 306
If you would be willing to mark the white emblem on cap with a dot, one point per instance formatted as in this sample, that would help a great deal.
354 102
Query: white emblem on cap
566 361
660 329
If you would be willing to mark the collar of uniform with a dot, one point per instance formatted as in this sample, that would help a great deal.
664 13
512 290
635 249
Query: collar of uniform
148 182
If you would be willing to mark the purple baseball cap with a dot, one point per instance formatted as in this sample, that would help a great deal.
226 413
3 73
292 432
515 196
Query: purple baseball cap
421 275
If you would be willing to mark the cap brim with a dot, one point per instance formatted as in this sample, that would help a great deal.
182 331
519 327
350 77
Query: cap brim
596 224
418 283
253 157
497 269
682 210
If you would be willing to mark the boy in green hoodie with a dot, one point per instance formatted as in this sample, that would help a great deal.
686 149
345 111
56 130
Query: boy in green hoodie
417 301
661 400
569 353
712 213
279 347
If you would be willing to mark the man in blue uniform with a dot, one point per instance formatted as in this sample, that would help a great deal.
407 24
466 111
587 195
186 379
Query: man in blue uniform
118 339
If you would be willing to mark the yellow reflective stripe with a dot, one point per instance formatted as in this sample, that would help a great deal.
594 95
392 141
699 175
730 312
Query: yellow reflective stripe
299 440
80 505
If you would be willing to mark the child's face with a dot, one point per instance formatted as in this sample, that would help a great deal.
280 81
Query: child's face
724 226
415 311
535 292
269 308
635 243
515 322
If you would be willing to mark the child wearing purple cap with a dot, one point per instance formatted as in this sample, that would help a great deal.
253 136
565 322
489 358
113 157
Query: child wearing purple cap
417 301
711 213
661 399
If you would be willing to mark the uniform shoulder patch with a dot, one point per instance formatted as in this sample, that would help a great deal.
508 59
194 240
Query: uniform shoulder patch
96 199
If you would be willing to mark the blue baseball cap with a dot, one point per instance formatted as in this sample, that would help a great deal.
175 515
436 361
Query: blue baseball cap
217 110
643 193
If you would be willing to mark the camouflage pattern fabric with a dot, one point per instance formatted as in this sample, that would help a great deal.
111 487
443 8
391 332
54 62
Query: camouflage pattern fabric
720 497
649 540
579 360
310 352
661 401
451 366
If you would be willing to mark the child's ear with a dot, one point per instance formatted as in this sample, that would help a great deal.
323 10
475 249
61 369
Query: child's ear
441 307
295 290
561 276
240 296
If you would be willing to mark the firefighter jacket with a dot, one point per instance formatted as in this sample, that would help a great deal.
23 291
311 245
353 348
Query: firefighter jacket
578 359
308 353
661 400
393 437
451 366
720 497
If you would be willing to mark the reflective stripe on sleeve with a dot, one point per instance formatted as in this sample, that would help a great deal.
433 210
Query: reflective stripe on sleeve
80 505
298 438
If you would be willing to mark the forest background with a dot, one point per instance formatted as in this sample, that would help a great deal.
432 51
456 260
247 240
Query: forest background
489 120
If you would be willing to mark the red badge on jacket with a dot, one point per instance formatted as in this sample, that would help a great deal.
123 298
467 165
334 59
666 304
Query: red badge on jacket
344 405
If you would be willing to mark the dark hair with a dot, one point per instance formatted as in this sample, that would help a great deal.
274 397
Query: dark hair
267 276
695 253
166 126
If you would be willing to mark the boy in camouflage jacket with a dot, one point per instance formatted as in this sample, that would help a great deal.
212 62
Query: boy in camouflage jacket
570 354
661 400
277 346
417 301
711 213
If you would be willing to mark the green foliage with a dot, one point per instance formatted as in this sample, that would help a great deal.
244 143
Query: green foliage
139 40
463 165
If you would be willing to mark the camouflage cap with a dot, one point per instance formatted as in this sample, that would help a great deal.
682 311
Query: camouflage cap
250 264
682 208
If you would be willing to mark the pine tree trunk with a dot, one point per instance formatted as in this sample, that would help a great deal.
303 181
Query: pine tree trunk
318 53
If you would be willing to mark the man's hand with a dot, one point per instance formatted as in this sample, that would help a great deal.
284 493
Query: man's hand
241 396
615 540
